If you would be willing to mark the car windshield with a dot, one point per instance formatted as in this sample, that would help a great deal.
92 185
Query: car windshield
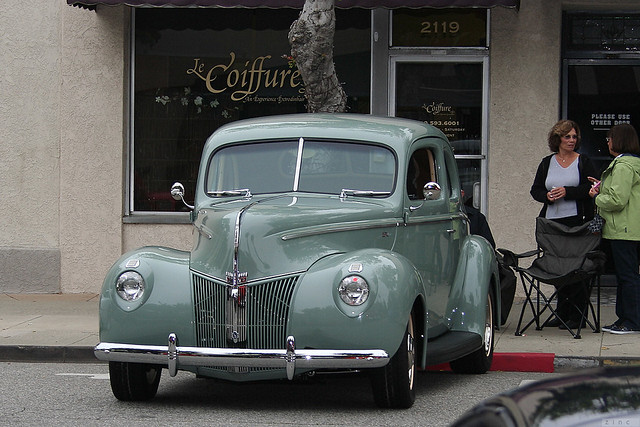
307 166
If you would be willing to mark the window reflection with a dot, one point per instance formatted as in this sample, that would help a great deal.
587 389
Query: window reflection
198 69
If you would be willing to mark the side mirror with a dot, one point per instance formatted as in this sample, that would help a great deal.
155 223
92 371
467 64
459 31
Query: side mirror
177 192
431 191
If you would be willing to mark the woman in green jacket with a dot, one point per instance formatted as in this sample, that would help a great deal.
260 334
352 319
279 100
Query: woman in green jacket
617 198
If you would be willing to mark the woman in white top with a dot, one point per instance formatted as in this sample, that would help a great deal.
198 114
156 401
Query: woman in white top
562 186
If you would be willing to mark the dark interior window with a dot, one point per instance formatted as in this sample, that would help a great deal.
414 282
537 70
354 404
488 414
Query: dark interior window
421 170
198 69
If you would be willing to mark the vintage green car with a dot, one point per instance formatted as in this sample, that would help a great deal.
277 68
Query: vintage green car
322 242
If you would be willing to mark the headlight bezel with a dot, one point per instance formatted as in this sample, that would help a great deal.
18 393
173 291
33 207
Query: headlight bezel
130 286
354 290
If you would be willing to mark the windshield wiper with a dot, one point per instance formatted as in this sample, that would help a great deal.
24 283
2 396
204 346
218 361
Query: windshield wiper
362 193
222 193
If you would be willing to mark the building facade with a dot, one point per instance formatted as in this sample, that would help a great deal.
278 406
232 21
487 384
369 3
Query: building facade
103 108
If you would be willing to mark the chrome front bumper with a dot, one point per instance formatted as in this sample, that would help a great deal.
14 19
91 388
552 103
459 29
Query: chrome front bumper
173 356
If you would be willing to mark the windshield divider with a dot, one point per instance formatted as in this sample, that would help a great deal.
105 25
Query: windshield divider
296 179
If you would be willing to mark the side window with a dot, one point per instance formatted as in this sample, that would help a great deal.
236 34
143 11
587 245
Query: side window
421 169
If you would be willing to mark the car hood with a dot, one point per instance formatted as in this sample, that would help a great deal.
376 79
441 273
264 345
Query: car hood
271 236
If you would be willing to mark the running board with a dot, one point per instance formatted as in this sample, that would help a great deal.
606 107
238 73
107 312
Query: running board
452 346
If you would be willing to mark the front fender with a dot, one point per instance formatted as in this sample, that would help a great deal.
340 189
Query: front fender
165 307
477 273
320 319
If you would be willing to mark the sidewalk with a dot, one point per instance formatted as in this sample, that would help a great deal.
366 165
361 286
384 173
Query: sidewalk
592 350
64 328
48 327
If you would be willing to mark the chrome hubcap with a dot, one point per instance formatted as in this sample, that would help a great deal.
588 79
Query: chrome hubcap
411 354
488 327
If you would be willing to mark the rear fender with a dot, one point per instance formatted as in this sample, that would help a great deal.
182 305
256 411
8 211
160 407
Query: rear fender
477 273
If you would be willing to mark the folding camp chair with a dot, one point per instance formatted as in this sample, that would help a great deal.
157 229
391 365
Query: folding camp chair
566 257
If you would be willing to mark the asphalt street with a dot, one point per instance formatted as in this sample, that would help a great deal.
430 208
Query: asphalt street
74 394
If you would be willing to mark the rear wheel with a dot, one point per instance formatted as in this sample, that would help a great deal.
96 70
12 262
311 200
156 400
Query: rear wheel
480 360
393 385
134 381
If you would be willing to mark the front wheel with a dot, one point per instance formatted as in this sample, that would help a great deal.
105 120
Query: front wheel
393 384
480 360
134 381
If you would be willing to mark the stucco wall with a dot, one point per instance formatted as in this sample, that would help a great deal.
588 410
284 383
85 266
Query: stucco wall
524 96
29 109
63 76
178 236
61 115
30 53
92 85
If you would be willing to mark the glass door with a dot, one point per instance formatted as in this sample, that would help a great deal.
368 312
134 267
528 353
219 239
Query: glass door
600 93
450 94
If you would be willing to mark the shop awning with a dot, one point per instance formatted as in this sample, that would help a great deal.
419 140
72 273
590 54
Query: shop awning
344 4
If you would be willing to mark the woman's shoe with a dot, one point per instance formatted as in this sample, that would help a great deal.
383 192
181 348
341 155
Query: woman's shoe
622 330
612 326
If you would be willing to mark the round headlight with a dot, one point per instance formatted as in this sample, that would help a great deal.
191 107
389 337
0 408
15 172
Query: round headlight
130 286
353 290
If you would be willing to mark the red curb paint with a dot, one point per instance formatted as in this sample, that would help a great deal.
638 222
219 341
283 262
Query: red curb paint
440 367
514 362
523 362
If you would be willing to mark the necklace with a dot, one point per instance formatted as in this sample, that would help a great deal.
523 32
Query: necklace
560 157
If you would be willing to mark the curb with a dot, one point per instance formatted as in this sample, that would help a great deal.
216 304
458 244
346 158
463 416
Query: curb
514 362
524 362
47 354
546 362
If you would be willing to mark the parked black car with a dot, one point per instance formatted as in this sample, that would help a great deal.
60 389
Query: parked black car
593 397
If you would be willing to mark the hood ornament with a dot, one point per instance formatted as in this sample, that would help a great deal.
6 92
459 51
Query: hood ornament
235 312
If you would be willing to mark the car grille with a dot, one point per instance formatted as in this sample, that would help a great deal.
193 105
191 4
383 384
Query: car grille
265 310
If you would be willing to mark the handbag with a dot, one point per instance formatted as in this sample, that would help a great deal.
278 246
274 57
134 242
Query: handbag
596 224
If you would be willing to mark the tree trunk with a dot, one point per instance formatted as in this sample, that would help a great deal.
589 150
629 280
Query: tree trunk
311 40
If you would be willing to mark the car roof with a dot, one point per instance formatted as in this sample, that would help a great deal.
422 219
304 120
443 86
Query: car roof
396 132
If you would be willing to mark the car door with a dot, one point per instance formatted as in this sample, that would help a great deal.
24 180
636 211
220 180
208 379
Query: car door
432 231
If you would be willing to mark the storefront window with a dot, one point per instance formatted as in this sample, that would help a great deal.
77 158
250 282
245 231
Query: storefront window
197 69
601 76
602 95
449 96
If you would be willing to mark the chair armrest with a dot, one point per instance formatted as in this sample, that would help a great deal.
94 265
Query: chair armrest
598 258
511 258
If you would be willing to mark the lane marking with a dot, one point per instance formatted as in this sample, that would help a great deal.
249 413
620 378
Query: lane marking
91 376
